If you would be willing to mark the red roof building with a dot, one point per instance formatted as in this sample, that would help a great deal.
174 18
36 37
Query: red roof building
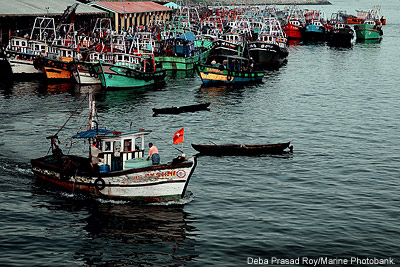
134 14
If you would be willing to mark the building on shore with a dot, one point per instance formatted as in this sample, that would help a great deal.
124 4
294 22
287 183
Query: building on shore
134 14
17 17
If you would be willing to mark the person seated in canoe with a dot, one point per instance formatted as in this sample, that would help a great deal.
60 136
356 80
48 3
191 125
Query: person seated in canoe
153 153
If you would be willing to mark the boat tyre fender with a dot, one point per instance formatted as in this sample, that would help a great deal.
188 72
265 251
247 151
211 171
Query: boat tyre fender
99 184
229 77
64 177
92 71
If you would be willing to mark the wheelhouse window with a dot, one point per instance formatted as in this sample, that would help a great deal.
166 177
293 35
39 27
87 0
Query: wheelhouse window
127 145
107 146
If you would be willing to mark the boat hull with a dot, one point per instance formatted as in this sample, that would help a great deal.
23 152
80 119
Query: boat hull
292 31
55 69
368 32
22 64
114 76
341 36
149 184
241 150
314 33
267 53
177 110
83 75
213 75
181 63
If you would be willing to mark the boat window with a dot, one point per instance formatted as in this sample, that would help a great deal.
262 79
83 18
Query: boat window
127 145
16 42
107 146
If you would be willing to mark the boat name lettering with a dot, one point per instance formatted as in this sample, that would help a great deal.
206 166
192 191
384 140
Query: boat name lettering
157 174
214 70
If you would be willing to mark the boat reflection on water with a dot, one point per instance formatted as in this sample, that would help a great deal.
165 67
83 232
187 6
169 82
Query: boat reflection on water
139 235
55 88
118 233
181 73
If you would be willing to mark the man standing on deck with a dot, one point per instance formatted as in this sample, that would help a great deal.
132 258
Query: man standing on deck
153 153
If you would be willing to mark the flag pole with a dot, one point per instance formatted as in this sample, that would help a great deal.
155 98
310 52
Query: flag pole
182 143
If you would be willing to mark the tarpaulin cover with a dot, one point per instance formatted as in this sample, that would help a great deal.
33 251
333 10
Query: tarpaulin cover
91 133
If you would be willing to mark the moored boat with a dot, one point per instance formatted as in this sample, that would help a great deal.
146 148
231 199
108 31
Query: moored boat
228 70
368 30
138 72
242 150
181 109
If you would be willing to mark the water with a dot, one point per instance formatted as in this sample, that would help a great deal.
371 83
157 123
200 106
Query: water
335 197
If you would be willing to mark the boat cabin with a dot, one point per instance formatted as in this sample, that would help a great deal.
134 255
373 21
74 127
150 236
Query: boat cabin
233 63
116 150
18 44
295 23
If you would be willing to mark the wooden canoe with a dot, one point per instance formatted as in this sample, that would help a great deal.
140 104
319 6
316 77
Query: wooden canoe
177 110
245 150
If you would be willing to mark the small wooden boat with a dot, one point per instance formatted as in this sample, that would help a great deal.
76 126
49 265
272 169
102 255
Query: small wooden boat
242 150
177 110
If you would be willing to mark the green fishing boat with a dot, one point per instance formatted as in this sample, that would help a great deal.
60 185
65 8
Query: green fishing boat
119 76
183 52
368 30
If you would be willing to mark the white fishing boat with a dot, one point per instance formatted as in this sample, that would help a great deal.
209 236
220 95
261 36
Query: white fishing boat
116 167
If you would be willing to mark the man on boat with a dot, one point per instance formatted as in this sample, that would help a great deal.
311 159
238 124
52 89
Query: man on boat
153 153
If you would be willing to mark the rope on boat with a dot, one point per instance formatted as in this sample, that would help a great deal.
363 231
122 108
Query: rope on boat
73 113
166 142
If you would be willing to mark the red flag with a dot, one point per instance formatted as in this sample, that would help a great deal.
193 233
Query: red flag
178 136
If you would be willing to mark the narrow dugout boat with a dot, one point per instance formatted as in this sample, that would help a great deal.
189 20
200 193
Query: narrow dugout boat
177 110
242 150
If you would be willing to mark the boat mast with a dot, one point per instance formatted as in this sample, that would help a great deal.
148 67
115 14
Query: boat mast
93 118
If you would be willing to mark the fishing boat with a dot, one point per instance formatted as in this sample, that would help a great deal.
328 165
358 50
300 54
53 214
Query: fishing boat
368 30
242 150
115 168
138 71
228 70
181 109
294 24
270 48
315 29
341 35
183 52
55 68
339 32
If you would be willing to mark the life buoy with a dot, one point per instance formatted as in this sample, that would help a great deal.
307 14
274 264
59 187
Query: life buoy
202 68
229 77
99 184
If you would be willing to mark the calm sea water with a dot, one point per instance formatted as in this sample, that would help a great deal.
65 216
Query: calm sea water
337 196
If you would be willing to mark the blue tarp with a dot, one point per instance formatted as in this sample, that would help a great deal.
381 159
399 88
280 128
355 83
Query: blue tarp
188 36
91 133
172 5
